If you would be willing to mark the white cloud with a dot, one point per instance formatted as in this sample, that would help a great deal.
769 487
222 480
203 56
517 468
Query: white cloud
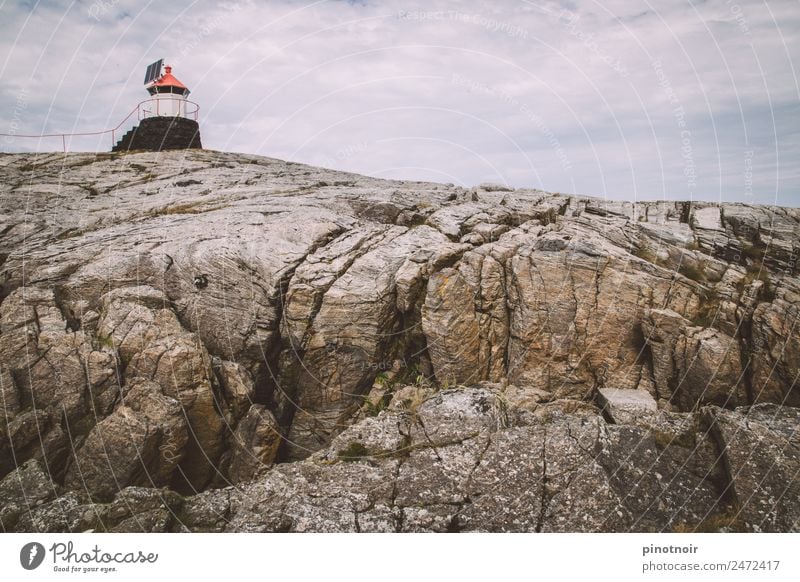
563 97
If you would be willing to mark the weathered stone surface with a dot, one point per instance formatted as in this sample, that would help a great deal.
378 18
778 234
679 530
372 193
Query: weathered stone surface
775 350
626 406
453 415
383 436
666 473
9 396
254 444
22 490
693 365
568 472
156 347
355 331
140 443
33 434
761 449
452 331
138 509
69 513
238 388
267 298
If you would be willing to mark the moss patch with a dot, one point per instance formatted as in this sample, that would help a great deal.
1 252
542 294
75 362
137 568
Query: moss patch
728 520
105 341
353 452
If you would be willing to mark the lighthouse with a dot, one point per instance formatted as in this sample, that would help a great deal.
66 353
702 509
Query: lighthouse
167 120
169 96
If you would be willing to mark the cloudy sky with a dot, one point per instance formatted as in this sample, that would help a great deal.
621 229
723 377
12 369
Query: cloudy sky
675 99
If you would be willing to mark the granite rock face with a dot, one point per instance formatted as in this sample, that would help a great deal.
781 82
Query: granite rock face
460 461
182 321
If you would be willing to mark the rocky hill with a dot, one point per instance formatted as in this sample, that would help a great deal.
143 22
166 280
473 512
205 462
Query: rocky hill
205 341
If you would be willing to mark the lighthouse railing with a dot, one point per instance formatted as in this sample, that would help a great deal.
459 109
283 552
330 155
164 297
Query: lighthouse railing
185 108
191 110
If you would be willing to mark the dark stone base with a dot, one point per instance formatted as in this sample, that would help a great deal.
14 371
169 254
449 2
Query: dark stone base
156 134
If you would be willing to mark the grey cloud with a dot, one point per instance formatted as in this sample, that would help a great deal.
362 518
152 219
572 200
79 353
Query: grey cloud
560 96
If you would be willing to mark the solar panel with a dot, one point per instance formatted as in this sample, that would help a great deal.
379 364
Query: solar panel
153 71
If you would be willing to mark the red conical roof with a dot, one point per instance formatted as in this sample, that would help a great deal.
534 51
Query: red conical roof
168 80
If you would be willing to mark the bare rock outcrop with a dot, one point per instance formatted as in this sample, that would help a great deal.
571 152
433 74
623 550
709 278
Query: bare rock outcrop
462 462
223 320
762 459
140 443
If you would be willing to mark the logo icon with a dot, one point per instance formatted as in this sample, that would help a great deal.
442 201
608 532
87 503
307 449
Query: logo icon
31 555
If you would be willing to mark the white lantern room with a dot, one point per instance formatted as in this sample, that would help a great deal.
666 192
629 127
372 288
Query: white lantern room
169 96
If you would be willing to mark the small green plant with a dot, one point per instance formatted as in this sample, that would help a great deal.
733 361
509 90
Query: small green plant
411 375
375 408
354 452
105 341
756 271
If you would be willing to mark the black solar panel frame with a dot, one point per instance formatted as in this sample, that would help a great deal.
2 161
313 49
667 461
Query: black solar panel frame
153 71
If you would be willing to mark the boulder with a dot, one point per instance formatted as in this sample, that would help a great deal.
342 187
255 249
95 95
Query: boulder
626 406
254 445
140 443
761 450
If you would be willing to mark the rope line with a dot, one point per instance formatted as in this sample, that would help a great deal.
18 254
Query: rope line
112 131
